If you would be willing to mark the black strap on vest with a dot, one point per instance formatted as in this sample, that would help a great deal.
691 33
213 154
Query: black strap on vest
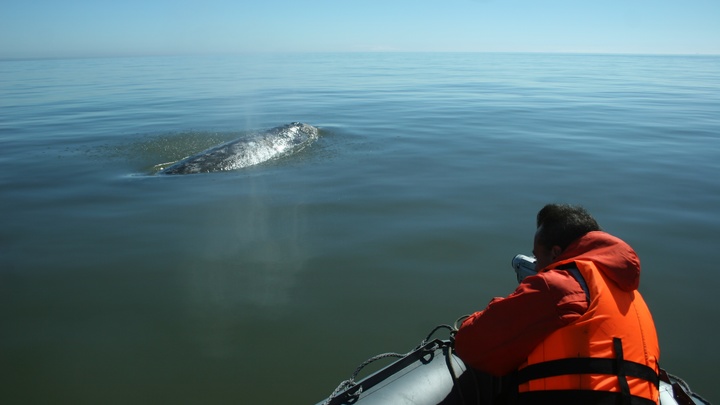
617 366
586 365
584 397
621 371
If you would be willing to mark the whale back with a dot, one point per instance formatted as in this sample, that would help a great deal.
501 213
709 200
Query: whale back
248 151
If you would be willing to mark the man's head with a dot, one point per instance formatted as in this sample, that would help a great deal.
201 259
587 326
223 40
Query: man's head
558 225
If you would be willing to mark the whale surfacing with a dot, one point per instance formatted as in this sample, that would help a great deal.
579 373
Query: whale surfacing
248 151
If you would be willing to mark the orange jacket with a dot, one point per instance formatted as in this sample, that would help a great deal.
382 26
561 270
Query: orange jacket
535 322
613 347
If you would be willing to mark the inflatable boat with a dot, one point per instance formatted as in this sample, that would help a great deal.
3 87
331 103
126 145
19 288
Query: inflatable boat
432 374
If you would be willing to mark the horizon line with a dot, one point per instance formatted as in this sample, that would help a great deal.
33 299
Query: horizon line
241 53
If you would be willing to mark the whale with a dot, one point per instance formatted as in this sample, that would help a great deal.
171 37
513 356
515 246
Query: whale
248 150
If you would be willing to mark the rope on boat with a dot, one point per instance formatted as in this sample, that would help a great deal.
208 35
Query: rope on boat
350 382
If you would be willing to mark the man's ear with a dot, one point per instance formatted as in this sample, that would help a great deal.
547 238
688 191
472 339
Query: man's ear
556 251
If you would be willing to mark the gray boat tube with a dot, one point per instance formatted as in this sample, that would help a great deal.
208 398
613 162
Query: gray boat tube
431 374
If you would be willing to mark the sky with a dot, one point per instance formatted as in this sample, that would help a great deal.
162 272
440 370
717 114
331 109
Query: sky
89 28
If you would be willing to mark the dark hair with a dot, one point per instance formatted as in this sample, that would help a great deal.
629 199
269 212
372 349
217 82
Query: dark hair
563 223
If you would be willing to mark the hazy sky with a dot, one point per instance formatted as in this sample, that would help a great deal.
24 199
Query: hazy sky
59 28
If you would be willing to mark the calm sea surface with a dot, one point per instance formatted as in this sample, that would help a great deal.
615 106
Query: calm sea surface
270 284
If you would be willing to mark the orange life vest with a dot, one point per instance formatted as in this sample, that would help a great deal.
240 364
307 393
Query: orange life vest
609 355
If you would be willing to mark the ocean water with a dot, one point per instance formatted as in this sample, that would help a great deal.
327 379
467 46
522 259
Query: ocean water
270 284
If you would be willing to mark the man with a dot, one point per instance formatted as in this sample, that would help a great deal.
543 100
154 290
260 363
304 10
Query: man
577 332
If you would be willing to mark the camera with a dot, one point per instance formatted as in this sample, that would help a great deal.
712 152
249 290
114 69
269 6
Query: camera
524 266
